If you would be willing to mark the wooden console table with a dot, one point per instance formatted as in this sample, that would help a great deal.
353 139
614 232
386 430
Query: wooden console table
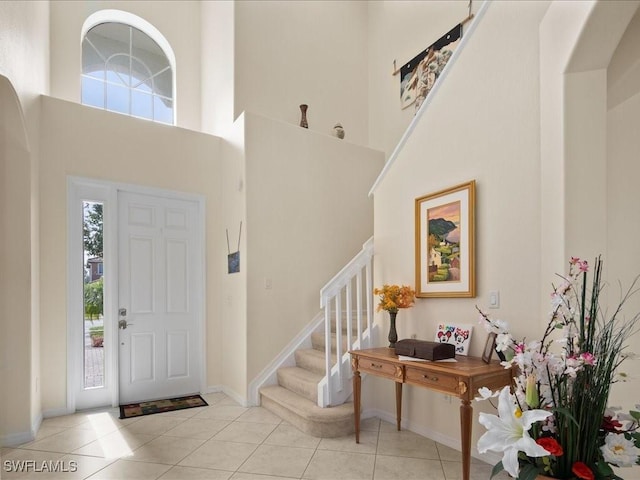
461 379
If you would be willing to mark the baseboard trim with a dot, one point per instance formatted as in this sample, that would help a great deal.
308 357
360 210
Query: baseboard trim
213 389
13 439
56 412
239 399
35 424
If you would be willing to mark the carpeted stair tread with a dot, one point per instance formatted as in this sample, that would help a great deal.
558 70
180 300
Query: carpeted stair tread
301 381
306 415
317 341
354 325
311 359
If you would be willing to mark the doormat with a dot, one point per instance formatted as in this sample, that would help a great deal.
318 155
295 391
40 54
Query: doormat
159 406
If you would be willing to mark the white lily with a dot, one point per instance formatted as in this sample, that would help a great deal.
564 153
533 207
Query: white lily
619 451
509 432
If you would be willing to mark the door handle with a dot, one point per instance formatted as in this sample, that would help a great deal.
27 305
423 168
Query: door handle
122 324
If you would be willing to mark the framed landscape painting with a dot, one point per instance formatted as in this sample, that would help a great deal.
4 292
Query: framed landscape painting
445 235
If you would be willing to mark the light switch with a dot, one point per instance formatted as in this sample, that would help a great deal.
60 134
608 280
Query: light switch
494 299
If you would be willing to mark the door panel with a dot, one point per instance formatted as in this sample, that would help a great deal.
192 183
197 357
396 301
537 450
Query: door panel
178 354
177 277
142 357
160 280
141 274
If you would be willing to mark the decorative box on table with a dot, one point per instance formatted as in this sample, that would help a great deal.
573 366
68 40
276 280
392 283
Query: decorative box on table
410 347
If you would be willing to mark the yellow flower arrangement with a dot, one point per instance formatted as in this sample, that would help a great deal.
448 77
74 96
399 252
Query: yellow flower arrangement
393 297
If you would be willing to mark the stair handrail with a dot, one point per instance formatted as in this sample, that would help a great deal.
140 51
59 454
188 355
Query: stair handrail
332 293
340 279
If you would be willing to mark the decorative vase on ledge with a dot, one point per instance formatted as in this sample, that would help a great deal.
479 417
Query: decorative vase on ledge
393 335
303 117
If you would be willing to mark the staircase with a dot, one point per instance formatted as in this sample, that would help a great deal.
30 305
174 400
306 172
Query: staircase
313 394
295 397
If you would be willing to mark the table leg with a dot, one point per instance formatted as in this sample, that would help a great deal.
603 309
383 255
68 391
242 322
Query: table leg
398 404
357 384
466 416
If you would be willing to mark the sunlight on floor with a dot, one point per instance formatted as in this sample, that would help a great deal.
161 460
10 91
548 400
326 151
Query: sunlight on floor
113 445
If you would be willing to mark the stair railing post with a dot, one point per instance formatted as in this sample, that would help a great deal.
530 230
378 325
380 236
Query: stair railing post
339 339
327 349
349 317
359 305
369 294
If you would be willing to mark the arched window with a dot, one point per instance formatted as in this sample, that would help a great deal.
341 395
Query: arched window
125 70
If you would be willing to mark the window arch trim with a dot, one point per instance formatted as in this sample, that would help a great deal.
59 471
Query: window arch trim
120 16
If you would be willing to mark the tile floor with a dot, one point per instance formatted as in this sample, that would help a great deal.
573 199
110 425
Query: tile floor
224 441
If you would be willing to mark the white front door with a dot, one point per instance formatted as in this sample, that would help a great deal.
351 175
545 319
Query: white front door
159 296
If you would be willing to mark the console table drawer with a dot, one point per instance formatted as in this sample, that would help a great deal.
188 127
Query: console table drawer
433 380
377 367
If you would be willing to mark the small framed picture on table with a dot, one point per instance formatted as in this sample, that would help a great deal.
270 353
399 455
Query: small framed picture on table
489 347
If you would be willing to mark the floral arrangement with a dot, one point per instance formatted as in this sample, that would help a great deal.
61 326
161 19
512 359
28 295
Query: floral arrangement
393 297
556 421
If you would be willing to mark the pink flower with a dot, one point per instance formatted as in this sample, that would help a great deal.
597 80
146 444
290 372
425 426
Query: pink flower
588 358
583 265
574 260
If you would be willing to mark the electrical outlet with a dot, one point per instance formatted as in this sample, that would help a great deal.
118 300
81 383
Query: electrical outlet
414 335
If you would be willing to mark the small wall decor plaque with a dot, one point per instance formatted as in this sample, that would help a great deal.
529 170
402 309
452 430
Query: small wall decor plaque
457 335
233 259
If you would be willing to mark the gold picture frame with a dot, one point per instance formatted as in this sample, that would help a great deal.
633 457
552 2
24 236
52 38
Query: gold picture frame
445 242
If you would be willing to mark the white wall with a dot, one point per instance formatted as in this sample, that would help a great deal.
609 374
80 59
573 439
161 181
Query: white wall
291 53
234 285
623 225
475 128
623 196
598 110
178 21
554 172
24 49
308 214
24 71
623 72
217 64
16 330
103 145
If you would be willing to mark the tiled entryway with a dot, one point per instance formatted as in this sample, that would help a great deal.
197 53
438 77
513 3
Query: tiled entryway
225 441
